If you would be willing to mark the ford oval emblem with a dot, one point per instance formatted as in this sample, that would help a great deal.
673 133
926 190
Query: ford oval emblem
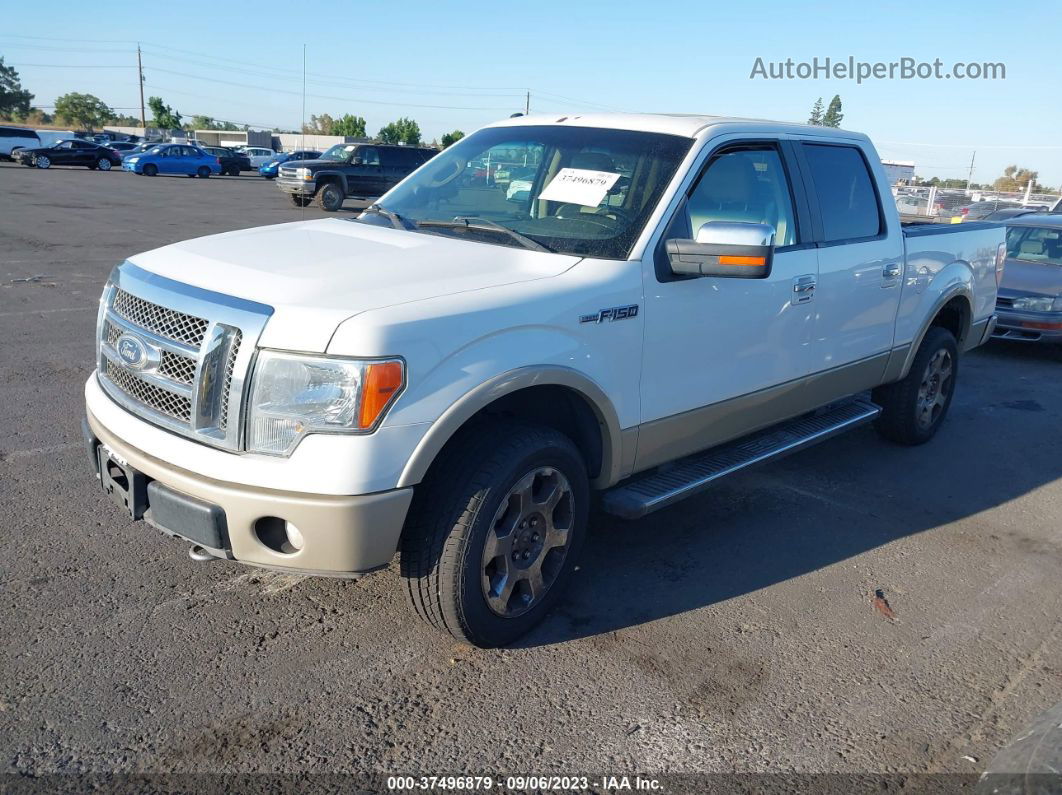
131 351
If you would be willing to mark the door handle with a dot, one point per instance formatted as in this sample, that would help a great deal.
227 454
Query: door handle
803 289
893 271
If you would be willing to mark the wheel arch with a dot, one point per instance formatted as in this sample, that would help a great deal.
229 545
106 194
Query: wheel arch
560 397
952 310
322 178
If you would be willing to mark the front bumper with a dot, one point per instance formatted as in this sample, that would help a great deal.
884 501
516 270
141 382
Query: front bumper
344 535
298 187
1029 326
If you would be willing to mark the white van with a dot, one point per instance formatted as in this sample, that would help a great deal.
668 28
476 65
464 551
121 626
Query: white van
17 138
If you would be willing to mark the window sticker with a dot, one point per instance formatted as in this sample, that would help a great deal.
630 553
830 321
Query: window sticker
579 186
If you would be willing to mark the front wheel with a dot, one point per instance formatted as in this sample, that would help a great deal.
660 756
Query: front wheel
42 161
301 201
914 408
495 530
151 170
330 197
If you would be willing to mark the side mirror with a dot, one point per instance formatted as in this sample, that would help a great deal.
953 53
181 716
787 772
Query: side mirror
724 248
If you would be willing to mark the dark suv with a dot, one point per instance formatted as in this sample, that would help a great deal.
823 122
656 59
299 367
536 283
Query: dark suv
232 163
361 171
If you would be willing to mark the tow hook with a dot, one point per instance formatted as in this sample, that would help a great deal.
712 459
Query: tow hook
200 555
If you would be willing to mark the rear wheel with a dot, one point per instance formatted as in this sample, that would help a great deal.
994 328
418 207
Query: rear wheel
151 170
203 172
330 197
914 408
495 530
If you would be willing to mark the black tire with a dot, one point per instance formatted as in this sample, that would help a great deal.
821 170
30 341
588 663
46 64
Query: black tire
233 171
301 201
151 170
330 197
914 407
465 498
203 172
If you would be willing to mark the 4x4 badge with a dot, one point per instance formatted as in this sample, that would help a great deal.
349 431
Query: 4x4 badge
611 315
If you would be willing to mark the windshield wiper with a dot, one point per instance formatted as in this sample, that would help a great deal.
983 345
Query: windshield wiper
475 222
397 221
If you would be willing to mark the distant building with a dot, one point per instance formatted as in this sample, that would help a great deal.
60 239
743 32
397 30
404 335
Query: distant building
899 171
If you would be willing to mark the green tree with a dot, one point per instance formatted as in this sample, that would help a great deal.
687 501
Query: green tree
833 116
14 99
816 113
83 110
401 131
163 116
1015 178
353 126
452 138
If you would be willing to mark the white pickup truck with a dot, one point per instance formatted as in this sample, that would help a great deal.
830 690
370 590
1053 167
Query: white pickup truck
453 374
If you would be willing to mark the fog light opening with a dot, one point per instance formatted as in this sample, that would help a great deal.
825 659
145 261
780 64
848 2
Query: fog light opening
279 535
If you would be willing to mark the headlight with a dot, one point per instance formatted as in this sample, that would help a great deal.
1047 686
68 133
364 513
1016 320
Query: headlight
303 173
1035 303
293 395
132 159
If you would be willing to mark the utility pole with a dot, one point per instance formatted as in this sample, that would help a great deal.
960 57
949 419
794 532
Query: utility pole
140 74
969 177
527 104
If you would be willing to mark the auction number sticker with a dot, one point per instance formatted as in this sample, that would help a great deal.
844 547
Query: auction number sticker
579 186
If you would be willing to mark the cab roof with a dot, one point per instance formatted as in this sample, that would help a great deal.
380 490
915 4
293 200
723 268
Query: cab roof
686 125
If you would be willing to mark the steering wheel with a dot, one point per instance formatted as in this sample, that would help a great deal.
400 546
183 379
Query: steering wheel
437 182
615 215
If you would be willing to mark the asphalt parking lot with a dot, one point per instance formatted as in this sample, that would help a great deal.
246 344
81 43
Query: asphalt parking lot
858 607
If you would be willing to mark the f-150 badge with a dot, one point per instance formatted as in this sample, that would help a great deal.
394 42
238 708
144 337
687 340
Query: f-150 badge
611 315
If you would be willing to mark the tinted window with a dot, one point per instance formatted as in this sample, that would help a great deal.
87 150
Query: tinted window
748 186
369 156
845 192
15 132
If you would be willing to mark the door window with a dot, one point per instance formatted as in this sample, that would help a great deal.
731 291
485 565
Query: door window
369 156
845 192
747 186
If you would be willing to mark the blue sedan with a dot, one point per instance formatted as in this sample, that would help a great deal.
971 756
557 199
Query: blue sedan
270 168
173 159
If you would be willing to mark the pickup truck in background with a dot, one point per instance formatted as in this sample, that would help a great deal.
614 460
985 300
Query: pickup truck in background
354 171
451 375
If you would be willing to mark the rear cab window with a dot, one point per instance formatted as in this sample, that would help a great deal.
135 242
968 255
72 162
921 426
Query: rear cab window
848 201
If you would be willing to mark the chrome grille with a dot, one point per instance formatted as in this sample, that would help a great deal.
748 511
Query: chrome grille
177 355
178 368
167 323
226 386
1004 303
154 397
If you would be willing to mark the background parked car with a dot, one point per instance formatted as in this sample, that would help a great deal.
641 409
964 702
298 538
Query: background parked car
73 152
1029 300
173 159
12 138
123 147
1014 212
232 162
258 155
978 210
270 168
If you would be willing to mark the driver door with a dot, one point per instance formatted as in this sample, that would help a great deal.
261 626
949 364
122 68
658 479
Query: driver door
723 356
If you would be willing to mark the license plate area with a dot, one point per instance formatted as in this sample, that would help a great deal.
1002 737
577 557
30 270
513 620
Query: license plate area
124 485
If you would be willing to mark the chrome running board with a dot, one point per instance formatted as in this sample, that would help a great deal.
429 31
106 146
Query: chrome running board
667 485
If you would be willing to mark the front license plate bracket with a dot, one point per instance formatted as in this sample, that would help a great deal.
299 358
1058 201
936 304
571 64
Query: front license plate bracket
123 484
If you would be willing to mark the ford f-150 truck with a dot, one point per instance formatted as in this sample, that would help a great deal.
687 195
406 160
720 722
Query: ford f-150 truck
453 375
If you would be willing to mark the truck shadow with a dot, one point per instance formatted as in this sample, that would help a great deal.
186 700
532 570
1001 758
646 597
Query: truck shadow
825 505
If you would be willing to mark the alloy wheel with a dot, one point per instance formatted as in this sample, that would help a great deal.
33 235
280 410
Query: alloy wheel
527 542
935 388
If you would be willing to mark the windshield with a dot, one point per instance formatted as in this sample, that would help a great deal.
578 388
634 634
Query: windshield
1037 244
339 152
573 190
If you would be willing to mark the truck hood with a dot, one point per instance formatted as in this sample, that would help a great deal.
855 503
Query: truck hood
316 274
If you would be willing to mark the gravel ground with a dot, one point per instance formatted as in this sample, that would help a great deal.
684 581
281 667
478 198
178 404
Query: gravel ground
856 608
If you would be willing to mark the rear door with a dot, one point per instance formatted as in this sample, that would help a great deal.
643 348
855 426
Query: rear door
860 257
